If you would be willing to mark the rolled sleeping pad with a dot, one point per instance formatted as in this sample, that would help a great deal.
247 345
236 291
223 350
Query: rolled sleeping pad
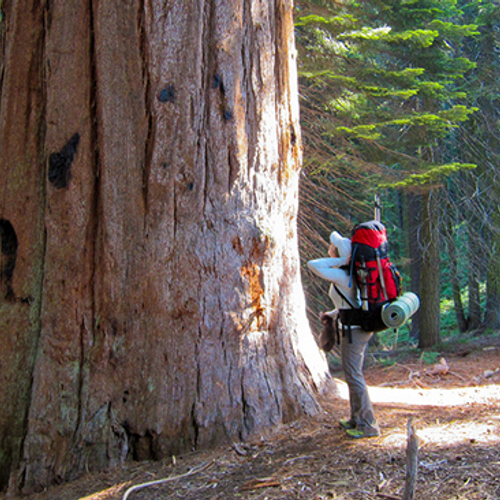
397 313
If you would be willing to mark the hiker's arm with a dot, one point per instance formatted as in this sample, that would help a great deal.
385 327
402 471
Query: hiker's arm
323 268
328 262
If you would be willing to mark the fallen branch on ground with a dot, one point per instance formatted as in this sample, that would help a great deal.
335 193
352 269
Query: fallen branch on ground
195 470
256 483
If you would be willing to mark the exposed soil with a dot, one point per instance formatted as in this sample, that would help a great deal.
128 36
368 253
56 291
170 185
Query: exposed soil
455 415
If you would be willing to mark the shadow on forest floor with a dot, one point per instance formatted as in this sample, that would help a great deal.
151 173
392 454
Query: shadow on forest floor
455 414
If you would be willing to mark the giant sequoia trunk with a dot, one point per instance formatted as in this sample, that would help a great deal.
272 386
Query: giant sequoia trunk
151 299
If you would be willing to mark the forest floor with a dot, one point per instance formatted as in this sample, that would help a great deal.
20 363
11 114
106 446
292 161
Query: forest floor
456 416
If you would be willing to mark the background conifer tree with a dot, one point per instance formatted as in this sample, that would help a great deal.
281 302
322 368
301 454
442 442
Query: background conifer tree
388 73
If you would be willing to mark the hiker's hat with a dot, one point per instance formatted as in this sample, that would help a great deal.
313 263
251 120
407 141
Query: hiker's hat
343 244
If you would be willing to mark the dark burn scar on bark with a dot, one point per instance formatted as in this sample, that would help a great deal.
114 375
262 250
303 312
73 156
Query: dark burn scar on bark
217 83
60 163
9 246
167 94
293 136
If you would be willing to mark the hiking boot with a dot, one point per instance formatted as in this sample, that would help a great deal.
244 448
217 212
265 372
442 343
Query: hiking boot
362 433
347 424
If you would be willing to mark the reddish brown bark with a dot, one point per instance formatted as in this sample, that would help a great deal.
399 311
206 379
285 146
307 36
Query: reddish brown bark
429 275
151 299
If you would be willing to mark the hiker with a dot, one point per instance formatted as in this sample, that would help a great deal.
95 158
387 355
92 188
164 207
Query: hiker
344 294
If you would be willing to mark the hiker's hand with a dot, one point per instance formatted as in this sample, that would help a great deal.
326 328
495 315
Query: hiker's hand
326 319
332 251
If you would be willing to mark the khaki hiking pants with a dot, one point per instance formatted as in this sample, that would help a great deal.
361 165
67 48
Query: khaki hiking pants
353 356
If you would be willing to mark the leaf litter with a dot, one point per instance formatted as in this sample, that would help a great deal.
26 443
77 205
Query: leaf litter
456 417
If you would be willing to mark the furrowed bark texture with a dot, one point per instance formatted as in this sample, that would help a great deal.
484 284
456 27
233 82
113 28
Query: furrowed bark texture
151 300
430 276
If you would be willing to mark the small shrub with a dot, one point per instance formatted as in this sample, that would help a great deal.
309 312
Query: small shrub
429 357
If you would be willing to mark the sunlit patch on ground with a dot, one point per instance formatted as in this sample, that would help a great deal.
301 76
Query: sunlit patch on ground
439 433
450 434
428 397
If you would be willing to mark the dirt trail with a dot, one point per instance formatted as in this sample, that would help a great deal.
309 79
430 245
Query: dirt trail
456 416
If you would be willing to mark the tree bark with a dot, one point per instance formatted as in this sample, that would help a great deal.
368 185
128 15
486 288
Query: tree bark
474 317
451 249
413 207
430 283
476 261
150 281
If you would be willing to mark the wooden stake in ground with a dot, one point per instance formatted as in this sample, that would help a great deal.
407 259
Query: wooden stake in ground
411 462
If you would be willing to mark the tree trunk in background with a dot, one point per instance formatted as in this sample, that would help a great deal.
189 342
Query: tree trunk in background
430 275
492 310
414 211
476 258
151 299
454 277
474 317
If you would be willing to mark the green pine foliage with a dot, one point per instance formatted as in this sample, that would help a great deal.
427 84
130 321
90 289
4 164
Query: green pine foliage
432 175
384 99
387 75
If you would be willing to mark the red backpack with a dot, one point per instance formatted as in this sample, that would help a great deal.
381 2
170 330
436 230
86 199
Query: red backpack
376 276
